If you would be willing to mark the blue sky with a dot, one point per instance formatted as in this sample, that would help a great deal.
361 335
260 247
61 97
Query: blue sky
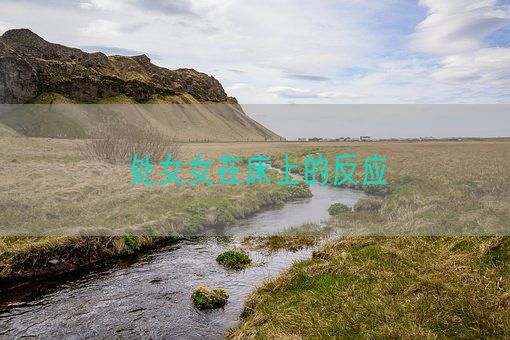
296 51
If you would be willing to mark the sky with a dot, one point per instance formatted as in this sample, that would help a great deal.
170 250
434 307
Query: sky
297 51
294 121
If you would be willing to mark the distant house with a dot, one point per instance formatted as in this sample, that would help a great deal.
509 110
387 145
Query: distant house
365 138
302 139
426 138
315 139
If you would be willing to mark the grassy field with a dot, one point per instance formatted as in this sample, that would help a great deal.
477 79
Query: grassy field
49 188
404 287
393 287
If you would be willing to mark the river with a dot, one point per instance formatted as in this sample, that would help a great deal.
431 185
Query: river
149 296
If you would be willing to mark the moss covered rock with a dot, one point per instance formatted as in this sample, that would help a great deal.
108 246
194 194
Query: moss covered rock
204 298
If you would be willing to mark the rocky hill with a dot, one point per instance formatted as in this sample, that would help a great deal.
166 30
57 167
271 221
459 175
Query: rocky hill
33 70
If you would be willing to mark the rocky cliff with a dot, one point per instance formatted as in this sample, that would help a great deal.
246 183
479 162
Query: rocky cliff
30 66
35 71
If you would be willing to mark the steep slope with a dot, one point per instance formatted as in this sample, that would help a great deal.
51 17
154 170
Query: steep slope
33 70
6 131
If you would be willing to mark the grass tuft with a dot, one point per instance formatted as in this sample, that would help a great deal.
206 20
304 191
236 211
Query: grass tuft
281 242
338 208
234 259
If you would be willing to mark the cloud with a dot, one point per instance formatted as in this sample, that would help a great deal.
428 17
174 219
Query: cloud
307 77
236 71
102 28
238 87
485 66
168 7
458 26
290 92
111 50
103 5
455 32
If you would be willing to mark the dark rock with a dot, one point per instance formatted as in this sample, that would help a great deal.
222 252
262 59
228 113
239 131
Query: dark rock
30 66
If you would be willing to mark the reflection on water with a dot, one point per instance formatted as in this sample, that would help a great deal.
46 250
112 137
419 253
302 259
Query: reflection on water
149 298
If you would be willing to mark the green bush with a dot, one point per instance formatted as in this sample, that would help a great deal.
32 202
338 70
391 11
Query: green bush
338 208
204 298
234 259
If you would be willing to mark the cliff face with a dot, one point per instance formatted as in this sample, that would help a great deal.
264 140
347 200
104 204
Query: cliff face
30 66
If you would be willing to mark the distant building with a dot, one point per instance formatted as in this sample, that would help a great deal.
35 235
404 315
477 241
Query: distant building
302 139
365 138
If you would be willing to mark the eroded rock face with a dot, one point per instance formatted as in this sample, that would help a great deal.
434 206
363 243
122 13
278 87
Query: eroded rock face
29 66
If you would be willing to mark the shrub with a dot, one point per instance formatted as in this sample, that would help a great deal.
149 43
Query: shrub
117 143
234 259
338 208
300 190
368 204
204 298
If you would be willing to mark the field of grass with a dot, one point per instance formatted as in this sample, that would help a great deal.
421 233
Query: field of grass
48 188
392 286
404 286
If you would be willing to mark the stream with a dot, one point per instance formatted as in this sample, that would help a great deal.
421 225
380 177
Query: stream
149 296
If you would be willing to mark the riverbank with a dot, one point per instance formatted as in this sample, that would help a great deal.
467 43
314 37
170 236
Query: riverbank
149 295
24 259
405 287
389 288
49 187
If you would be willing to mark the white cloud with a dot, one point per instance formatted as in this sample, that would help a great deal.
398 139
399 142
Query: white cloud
238 87
103 5
458 26
291 92
487 65
101 28
454 31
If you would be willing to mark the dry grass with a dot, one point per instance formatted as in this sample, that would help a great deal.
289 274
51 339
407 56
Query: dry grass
117 143
279 242
47 187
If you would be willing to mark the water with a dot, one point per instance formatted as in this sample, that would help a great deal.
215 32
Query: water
150 297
